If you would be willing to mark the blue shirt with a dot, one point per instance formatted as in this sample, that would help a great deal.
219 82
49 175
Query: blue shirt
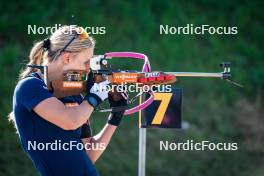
37 135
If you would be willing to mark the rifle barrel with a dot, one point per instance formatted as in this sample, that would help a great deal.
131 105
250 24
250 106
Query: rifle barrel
196 74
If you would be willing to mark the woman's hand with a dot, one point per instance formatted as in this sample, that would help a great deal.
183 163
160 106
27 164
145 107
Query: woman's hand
96 92
117 99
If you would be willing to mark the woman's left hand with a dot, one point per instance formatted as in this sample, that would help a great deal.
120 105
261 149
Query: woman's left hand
117 99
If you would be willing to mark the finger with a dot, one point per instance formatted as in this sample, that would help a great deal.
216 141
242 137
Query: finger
106 82
125 95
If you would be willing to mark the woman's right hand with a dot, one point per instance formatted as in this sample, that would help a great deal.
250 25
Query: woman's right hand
96 92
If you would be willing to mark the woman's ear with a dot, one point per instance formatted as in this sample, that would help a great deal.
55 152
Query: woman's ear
66 58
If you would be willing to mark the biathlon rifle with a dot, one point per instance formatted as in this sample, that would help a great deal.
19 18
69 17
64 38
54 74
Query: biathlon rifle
73 81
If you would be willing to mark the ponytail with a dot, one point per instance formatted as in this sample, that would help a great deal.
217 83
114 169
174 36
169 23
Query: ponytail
11 118
35 58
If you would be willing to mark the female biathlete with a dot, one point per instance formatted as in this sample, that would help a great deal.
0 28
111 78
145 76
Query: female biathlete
49 130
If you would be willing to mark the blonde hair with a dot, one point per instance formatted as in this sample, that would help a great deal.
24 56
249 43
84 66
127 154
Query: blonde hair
57 42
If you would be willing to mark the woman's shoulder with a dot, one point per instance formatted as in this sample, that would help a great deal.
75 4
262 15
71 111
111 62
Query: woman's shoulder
31 81
30 91
31 87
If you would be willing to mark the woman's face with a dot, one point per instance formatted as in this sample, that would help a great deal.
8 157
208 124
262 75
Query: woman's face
77 61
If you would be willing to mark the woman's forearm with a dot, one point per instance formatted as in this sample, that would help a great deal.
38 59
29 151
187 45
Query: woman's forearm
68 118
101 139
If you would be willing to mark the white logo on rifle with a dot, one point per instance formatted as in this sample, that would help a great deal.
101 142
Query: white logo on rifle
126 76
153 74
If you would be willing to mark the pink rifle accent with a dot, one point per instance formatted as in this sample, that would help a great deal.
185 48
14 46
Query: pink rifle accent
146 68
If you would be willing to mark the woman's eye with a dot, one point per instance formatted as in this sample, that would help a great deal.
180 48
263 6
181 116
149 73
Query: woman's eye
87 62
